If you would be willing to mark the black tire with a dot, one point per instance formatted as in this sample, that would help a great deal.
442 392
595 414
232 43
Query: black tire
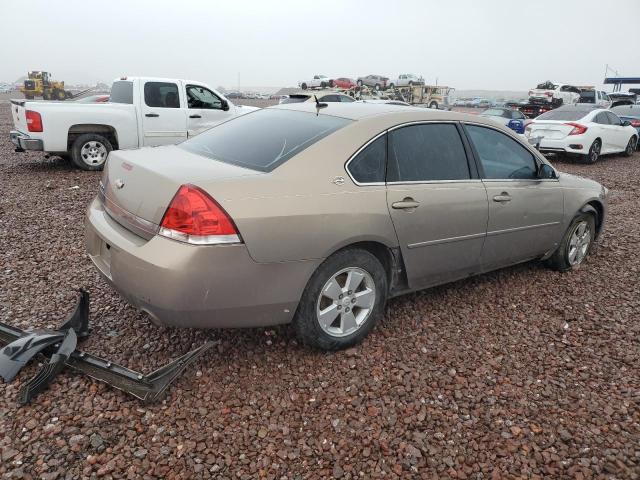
331 83
560 259
306 322
391 85
433 105
411 83
557 102
323 84
377 87
60 95
594 152
359 82
84 161
303 86
631 146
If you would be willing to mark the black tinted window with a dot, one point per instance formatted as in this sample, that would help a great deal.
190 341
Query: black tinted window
613 119
501 156
121 92
329 98
202 98
264 139
426 152
161 94
370 164
567 115
346 99
601 118
295 99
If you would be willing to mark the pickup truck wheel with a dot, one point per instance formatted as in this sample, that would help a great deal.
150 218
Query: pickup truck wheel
557 102
303 86
433 105
89 151
359 83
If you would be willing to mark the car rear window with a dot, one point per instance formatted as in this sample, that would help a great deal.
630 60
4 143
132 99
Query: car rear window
121 92
497 112
295 99
264 139
566 115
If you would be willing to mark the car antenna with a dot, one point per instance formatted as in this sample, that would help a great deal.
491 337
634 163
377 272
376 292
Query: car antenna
319 105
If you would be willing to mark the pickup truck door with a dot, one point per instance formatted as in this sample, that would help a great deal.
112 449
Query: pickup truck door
164 114
205 109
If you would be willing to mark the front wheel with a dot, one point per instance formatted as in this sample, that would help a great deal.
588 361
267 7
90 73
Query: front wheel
343 300
575 244
433 105
377 87
90 151
631 146
359 83
304 86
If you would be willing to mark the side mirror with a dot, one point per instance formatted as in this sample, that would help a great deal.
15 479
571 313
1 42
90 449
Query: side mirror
225 105
545 172
626 123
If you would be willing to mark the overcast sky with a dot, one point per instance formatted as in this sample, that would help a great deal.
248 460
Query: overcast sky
468 44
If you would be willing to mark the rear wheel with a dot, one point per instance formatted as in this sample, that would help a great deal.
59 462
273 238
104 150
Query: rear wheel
433 105
594 152
575 244
631 146
343 300
304 86
359 83
323 84
391 85
89 151
377 87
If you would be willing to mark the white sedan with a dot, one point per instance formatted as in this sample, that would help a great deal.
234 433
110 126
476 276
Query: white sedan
582 130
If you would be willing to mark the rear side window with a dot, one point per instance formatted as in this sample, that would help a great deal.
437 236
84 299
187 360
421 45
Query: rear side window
121 92
601 118
427 152
295 99
501 156
370 164
161 95
264 139
346 99
613 119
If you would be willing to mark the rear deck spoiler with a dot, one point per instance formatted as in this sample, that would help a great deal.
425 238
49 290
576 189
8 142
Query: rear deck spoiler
18 101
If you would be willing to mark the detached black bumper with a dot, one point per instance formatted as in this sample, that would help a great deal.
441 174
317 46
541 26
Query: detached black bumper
60 346
23 142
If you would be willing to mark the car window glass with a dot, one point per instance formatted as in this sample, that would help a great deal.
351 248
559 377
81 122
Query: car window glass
426 152
613 118
121 92
370 164
346 99
517 114
601 119
200 97
161 95
501 156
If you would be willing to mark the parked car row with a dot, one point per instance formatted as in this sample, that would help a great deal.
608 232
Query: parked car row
378 82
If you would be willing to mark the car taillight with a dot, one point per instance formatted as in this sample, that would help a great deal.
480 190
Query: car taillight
549 94
635 123
194 217
577 128
34 121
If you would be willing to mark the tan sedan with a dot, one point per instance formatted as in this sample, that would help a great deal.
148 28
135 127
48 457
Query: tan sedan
317 217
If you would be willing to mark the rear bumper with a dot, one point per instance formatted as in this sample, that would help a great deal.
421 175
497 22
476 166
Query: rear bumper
564 146
23 142
182 285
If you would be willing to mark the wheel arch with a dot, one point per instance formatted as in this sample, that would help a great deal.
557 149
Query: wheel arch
595 208
107 131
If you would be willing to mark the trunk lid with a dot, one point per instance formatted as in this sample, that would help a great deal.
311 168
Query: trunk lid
551 129
138 185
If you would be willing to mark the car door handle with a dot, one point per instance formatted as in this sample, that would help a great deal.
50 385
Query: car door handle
407 203
195 116
502 198
151 115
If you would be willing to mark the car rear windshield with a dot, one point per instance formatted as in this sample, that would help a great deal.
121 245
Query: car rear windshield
588 97
121 92
295 99
565 115
264 139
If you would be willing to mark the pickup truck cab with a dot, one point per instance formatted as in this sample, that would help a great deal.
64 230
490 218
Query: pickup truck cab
141 112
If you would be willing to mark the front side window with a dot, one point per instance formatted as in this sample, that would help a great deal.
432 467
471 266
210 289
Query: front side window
203 98
276 136
370 164
501 156
161 95
426 152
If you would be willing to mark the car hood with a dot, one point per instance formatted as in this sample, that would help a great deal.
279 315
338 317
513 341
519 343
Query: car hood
242 109
569 180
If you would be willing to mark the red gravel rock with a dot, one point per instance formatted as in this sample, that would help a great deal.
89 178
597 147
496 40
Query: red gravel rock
520 373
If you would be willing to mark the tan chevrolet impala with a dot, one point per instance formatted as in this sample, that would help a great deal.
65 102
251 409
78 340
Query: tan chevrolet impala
317 216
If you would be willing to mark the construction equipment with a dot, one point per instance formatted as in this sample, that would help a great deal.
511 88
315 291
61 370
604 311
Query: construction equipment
40 84
60 345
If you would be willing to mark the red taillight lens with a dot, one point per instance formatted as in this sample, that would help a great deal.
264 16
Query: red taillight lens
577 128
194 217
34 121
635 123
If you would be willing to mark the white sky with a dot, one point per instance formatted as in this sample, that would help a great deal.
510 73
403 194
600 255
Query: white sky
468 44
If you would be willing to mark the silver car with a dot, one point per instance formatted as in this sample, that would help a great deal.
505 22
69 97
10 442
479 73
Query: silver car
317 216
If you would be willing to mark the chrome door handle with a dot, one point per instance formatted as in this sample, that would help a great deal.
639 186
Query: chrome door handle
406 204
151 115
502 198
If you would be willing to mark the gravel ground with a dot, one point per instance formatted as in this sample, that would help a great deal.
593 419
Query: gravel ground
520 373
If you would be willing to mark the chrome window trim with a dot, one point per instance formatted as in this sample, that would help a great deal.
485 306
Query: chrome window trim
446 240
422 182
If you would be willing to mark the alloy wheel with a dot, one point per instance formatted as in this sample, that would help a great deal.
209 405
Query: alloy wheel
594 152
631 146
579 243
346 301
93 153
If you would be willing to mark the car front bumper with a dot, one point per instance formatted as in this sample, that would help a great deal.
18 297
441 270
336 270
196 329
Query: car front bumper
23 142
182 285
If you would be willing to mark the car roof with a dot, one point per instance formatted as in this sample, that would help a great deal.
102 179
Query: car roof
585 107
363 110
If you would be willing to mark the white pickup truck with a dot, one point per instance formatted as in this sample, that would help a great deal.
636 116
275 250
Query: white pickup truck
140 112
554 94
